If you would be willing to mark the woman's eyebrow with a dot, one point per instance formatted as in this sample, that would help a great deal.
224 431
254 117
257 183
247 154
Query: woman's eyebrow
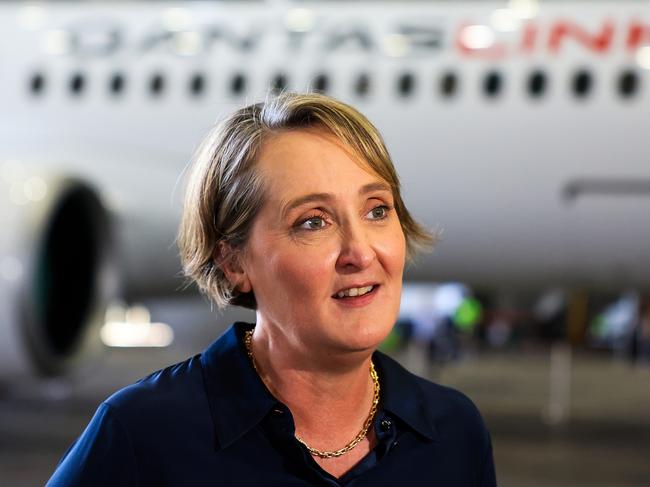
301 200
378 186
312 197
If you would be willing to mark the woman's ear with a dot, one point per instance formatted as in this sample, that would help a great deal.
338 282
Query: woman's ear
229 260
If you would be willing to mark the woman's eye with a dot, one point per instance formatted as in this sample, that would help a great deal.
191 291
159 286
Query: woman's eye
379 212
313 223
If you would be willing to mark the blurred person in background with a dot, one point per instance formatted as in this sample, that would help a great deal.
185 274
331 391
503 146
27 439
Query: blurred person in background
293 209
640 336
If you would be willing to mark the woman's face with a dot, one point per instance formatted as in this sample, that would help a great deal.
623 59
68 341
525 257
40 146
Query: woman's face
327 226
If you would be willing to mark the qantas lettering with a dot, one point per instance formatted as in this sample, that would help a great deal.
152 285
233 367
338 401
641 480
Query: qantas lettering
554 38
105 37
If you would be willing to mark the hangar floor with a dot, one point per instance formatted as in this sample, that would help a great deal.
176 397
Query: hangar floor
605 442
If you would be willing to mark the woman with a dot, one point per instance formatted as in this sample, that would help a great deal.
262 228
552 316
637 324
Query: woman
293 209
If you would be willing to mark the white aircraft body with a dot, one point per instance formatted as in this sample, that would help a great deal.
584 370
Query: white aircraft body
518 129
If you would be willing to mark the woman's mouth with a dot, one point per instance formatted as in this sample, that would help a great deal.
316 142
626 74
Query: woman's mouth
357 295
354 292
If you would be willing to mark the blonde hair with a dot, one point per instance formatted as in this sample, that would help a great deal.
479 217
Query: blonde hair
225 192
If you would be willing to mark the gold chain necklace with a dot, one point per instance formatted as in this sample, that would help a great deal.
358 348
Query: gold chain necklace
366 426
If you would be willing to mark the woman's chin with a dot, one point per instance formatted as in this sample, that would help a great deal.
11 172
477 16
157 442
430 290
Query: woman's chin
367 339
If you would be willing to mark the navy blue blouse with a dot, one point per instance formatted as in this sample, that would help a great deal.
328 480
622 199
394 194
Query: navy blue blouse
211 421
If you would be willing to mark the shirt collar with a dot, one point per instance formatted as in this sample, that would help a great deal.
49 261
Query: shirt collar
402 395
238 398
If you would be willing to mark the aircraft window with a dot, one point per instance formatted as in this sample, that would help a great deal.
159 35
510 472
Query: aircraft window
156 84
492 84
238 84
448 84
321 83
279 82
406 84
77 84
582 83
628 83
362 85
537 83
116 83
37 83
197 84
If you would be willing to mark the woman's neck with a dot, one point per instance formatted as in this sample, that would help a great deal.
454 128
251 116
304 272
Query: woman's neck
330 397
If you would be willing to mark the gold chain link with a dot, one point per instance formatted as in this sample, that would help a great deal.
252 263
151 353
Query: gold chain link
366 426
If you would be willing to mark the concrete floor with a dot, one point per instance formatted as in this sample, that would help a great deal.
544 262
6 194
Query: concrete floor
604 442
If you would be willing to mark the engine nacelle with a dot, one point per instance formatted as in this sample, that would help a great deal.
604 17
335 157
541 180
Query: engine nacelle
56 272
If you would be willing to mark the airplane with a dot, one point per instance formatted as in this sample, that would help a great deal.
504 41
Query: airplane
518 128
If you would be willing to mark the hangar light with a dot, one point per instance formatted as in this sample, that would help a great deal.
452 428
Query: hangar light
176 19
524 9
477 36
35 189
57 42
186 43
132 327
643 57
31 17
505 20
299 20
396 45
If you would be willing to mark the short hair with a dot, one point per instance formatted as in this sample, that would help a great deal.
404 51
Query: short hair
225 191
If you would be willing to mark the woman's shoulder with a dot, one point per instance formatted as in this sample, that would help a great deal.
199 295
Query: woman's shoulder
156 418
168 392
445 406
448 417
453 401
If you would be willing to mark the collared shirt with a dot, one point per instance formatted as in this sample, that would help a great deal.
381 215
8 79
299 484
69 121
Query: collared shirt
210 420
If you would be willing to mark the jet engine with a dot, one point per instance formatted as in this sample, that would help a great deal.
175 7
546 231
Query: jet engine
56 272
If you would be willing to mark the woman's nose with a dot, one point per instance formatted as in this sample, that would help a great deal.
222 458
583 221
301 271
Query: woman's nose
356 252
